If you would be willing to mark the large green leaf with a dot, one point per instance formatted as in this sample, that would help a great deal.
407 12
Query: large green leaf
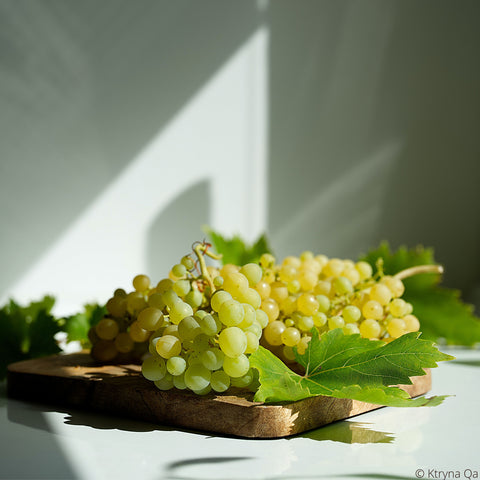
348 366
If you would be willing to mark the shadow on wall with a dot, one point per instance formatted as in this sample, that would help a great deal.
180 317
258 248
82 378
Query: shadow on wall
84 87
176 228
356 79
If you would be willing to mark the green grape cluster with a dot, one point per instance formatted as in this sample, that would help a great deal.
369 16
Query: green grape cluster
196 329
311 291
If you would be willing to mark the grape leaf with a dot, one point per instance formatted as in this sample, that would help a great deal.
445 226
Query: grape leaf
77 326
443 316
235 250
27 332
348 366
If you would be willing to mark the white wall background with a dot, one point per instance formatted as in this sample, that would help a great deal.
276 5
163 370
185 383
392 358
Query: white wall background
126 126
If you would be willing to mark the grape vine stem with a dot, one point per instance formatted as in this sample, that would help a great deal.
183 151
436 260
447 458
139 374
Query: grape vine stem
200 250
409 272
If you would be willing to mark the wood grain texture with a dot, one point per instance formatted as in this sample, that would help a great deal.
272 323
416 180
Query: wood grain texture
75 380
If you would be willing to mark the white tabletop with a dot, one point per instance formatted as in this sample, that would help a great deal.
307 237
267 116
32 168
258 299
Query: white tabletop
43 442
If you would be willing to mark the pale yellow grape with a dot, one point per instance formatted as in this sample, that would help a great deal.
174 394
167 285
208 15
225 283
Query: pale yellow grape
164 285
231 313
270 307
209 324
250 296
232 341
228 268
381 294
306 255
181 287
373 309
307 304
291 336
255 328
150 318
165 383
305 323
292 260
176 365
194 298
293 286
252 342
179 310
273 332
321 259
323 303
135 302
117 306
303 344
352 274
236 367
370 328
398 307
333 268
212 358
312 264
234 282
279 291
336 321
218 281
201 342
218 298
124 343
154 368
171 330
188 328
364 269
342 285
219 381
250 316
289 305
267 260
197 377
253 272
351 328
394 284
179 381
319 319
289 322
137 333
168 346
213 272
323 287
179 270
106 329
261 317
170 298
288 353
243 381
187 262
351 314
411 323
396 327
287 273
269 276
141 283
156 300
307 279
263 288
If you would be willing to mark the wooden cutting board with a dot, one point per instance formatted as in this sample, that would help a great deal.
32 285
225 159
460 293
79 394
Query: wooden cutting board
75 380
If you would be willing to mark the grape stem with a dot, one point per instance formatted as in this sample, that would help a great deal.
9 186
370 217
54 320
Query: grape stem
409 272
200 250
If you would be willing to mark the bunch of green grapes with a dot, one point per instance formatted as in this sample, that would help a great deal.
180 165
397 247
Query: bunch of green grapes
311 291
119 335
211 323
